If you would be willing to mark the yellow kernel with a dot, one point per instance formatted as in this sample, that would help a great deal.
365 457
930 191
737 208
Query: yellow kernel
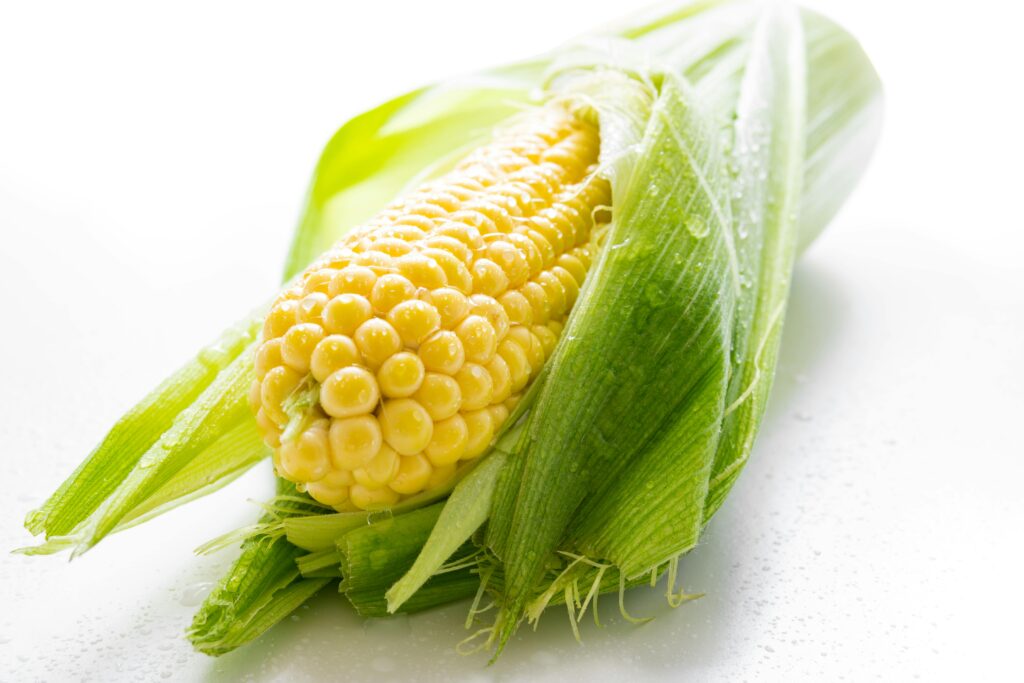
414 320
336 259
413 474
489 278
407 231
451 245
425 209
501 379
421 271
511 261
345 312
478 338
349 391
318 281
548 339
354 440
277 386
298 344
512 401
522 197
499 413
392 246
374 260
561 155
306 458
530 344
561 223
456 273
584 255
380 470
488 307
461 193
556 327
451 304
492 209
476 386
310 308
480 424
517 307
401 375
544 249
371 499
439 395
420 223
569 286
255 396
280 319
352 280
529 251
377 340
390 290
555 293
268 357
543 227
462 232
518 364
538 299
268 429
442 199
449 441
332 354
442 352
406 425
480 222
440 476
332 489
574 266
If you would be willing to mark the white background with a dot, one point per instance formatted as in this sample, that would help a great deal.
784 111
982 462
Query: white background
152 165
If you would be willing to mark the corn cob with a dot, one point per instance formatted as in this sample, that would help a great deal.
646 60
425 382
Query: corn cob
413 338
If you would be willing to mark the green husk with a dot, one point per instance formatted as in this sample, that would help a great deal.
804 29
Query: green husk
710 224
321 563
731 133
222 462
165 451
262 587
374 557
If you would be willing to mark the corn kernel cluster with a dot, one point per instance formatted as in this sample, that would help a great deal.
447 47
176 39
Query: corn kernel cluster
421 329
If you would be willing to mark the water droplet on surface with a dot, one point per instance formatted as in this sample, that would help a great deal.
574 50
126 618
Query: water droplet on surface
697 227
194 594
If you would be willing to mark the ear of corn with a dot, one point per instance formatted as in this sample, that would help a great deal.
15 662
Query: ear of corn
728 135
416 334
